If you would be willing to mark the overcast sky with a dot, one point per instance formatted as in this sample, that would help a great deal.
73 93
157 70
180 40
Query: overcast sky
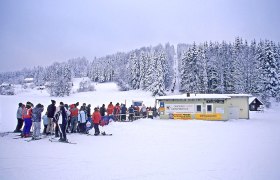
40 32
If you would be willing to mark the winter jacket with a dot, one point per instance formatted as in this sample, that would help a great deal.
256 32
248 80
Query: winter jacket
51 110
37 114
102 111
82 117
131 110
96 117
110 109
61 116
24 111
45 120
88 111
117 110
74 112
19 112
28 114
123 110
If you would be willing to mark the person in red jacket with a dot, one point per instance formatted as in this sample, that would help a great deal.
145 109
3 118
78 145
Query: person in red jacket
110 109
27 120
74 117
116 112
96 117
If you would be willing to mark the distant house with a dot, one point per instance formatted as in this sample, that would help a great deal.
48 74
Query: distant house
28 83
28 80
255 104
7 89
5 84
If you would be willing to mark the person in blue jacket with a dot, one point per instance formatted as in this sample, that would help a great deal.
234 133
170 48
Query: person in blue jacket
131 113
123 112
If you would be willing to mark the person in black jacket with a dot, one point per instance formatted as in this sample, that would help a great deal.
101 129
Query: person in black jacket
51 110
102 110
88 111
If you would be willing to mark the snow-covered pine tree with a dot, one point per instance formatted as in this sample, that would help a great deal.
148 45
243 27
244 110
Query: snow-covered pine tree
143 70
39 74
238 66
169 65
202 69
60 79
151 66
158 85
212 68
134 71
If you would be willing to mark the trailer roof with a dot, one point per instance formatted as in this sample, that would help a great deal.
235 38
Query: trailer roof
202 96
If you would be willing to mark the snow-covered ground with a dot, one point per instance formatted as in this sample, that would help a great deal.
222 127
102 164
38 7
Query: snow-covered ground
144 149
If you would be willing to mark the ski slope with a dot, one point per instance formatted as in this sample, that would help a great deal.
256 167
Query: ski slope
149 149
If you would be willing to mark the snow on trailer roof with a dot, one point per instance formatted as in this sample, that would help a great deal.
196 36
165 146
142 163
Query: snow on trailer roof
238 95
195 96
203 96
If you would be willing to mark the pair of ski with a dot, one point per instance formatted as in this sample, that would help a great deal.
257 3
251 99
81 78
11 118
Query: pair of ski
100 134
2 134
67 142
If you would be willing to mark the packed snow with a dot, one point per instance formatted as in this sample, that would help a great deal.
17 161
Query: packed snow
143 149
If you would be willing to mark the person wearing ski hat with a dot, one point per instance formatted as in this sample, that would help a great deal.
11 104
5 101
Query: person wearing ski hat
19 118
51 111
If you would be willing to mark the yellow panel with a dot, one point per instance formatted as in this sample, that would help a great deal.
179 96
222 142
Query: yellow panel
182 116
214 116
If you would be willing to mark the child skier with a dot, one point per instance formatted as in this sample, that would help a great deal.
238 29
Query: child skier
27 120
36 119
45 122
19 118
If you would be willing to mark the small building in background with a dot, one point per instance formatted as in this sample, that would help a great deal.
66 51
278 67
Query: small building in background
204 106
28 83
28 80
255 104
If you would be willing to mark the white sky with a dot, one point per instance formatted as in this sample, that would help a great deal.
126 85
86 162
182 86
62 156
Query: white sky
39 32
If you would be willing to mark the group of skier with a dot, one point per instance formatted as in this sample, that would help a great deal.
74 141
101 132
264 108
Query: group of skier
62 119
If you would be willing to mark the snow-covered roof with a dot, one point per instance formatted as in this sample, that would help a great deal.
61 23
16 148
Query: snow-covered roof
239 95
28 79
251 99
202 96
195 96
5 84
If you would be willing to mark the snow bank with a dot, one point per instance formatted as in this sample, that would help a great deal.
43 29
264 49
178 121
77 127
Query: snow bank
144 149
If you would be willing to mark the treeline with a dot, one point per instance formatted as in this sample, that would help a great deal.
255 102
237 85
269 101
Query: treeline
210 67
238 67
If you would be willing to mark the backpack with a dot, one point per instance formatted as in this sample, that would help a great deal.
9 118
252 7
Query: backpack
56 116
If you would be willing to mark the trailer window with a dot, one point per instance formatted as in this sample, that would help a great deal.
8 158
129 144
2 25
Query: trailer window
209 108
198 108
